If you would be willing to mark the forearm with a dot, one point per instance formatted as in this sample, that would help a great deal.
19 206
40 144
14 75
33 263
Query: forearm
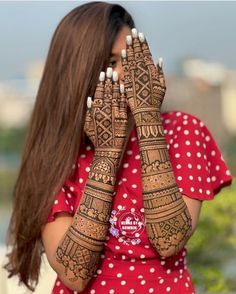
79 252
168 220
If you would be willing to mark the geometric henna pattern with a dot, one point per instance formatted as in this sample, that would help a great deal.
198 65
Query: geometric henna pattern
106 126
168 221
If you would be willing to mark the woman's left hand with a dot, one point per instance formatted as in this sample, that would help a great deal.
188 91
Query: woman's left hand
144 82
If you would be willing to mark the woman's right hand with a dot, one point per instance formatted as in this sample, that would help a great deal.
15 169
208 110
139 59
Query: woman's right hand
106 118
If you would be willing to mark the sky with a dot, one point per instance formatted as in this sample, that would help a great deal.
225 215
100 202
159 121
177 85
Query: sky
174 30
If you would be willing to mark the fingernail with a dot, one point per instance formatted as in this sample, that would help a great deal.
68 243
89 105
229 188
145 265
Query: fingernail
129 40
123 53
109 72
102 76
160 62
89 102
141 37
134 33
122 88
115 76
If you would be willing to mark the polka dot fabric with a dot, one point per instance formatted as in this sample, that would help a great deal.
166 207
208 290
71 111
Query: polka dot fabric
129 263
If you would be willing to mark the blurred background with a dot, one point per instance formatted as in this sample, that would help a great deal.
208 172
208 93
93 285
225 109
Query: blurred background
198 44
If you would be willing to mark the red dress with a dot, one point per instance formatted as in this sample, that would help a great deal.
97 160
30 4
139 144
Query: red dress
129 263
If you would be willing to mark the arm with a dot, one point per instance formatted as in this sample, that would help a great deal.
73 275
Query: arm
169 223
76 254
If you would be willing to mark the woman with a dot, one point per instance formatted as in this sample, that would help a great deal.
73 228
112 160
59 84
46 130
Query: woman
112 192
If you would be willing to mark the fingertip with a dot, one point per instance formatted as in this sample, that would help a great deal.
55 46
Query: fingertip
115 76
129 40
122 88
141 37
134 33
89 102
109 72
102 76
123 53
160 62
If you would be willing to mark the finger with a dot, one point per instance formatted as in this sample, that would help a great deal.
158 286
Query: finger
99 92
160 73
108 86
89 103
115 95
130 52
123 103
138 53
126 70
145 49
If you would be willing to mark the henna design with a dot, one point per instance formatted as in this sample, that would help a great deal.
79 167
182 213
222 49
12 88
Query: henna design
106 126
167 217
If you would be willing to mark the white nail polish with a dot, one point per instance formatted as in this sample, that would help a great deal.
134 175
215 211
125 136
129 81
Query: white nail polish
89 102
141 37
134 33
109 72
122 88
102 76
129 40
160 62
123 53
115 76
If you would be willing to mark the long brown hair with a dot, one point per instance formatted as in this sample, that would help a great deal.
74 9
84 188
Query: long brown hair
80 48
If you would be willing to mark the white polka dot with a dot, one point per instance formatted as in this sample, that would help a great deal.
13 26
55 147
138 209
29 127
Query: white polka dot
87 169
192 189
185 116
119 275
134 170
129 152
161 281
200 191
227 172
196 132
152 270
92 291
132 209
134 186
117 247
175 280
170 132
199 166
213 179
71 207
123 282
213 153
217 167
185 122
208 180
186 285
190 165
130 251
168 271
191 177
176 263
137 156
103 283
56 202
176 145
165 131
186 132
88 148
58 283
177 155
82 155
199 154
132 259
131 268
99 271
188 154
137 235
142 256
124 179
178 113
181 190
111 291
168 289
125 165
111 265
201 124
178 128
167 121
151 290
134 201
163 262
207 138
133 139
208 192
143 282
199 179
69 195
179 178
180 271
125 195
67 202
131 291
81 180
178 166
187 143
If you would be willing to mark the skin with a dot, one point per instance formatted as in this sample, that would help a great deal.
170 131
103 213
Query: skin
67 229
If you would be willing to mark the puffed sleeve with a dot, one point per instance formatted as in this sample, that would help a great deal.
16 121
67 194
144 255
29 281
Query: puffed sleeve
68 198
199 167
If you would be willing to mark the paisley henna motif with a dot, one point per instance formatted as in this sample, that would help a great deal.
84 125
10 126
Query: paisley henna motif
106 126
167 217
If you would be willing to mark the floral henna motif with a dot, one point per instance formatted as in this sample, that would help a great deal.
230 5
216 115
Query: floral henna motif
106 126
167 217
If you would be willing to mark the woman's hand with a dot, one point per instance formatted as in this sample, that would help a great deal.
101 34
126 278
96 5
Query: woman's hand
106 119
144 82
